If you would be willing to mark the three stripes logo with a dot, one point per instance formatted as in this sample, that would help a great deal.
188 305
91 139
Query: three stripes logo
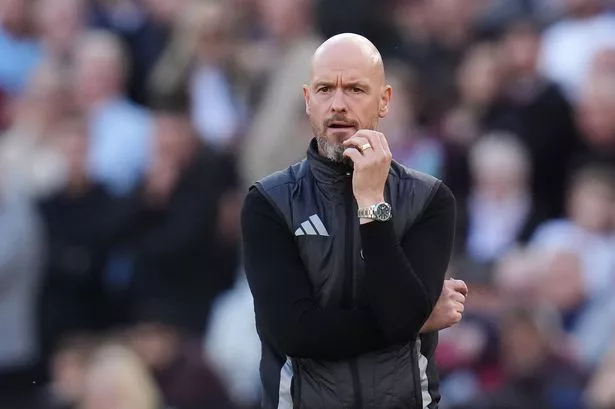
312 227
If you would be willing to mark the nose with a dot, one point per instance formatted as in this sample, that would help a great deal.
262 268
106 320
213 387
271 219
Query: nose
338 102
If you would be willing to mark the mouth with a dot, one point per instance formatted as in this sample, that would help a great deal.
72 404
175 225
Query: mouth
339 126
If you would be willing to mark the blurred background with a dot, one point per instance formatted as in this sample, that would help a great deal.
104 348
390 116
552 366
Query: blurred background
130 130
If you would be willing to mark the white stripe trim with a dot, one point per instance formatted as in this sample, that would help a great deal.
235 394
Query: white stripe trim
285 400
309 229
299 232
422 359
318 224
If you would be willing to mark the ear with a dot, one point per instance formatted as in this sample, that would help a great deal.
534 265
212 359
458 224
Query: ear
306 97
385 99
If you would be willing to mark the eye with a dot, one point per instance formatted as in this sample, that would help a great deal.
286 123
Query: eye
323 88
356 90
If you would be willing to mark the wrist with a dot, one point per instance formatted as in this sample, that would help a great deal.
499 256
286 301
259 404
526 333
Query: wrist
367 201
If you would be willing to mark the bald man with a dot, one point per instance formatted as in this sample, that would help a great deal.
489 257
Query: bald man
346 251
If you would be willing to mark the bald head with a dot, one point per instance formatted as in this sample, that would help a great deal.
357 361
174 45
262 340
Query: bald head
342 49
347 91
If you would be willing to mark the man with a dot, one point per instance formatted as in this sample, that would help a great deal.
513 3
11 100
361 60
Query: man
346 251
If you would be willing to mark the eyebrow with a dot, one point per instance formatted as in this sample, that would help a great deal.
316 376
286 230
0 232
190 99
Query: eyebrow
351 84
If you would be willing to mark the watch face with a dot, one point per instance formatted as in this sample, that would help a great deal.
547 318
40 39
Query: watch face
383 211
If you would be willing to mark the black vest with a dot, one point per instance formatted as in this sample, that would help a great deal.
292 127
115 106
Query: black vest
315 199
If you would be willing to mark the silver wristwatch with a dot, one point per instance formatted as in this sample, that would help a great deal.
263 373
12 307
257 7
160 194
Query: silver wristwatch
380 212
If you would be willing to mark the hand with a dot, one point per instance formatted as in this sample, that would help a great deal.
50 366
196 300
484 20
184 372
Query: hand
449 308
371 165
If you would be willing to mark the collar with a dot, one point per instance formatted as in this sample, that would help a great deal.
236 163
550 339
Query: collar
325 170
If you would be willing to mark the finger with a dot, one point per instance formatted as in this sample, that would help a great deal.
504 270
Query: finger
358 142
385 145
354 155
459 297
373 138
459 307
460 286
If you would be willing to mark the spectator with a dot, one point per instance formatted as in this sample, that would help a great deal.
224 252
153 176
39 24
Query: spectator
586 236
121 131
278 132
22 253
69 366
145 28
175 250
478 82
82 222
176 361
500 212
596 120
201 54
26 152
533 108
537 375
410 144
19 47
586 30
59 24
117 379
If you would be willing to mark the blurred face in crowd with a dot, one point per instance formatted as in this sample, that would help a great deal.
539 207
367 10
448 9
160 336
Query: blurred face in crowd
283 18
214 36
43 101
581 8
174 138
591 205
71 137
478 78
347 92
60 22
99 70
451 20
156 344
500 167
596 111
14 15
398 124
117 379
523 348
520 49
164 11
565 269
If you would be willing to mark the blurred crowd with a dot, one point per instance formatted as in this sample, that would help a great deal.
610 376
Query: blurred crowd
130 130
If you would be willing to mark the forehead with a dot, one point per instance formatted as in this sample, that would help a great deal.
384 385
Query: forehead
345 63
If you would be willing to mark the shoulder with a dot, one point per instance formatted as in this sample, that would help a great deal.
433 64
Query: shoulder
411 181
282 178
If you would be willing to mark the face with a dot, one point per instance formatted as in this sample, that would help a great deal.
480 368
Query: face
591 206
71 139
478 78
174 138
60 21
522 347
521 51
347 93
97 76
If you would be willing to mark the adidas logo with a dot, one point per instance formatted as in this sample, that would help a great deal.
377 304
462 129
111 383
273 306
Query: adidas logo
312 227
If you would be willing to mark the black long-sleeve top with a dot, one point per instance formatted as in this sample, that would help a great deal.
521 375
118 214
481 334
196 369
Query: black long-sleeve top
403 282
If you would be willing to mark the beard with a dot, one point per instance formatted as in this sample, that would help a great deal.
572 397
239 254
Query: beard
331 145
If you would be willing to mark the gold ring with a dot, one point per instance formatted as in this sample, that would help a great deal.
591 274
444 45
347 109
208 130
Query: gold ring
365 147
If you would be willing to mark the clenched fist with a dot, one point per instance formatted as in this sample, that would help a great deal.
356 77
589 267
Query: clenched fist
370 153
449 308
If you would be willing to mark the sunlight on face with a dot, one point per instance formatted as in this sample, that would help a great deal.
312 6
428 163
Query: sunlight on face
347 92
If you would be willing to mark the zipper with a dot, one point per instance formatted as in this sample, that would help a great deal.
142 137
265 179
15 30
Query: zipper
348 293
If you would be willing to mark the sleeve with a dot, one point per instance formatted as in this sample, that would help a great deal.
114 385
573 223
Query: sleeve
405 278
288 316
